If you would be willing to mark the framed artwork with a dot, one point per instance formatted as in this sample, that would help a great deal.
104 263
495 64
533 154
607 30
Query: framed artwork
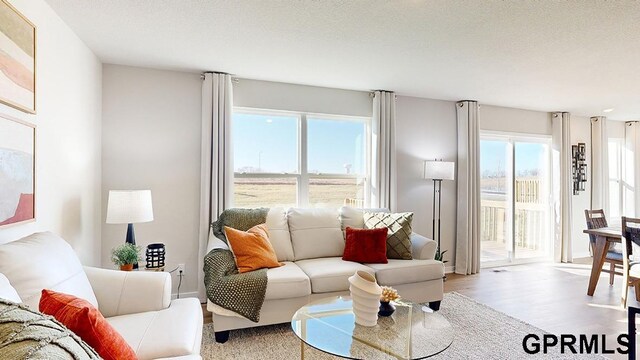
17 59
17 171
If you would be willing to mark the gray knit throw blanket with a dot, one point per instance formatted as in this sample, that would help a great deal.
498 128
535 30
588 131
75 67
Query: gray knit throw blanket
27 334
226 287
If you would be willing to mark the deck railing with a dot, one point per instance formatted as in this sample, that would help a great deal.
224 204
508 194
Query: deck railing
531 216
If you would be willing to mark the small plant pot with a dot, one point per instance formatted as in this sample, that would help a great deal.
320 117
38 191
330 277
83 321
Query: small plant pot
126 267
386 308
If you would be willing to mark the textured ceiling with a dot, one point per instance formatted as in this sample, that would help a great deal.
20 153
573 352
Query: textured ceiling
577 56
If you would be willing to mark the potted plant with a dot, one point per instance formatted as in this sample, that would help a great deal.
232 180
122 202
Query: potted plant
125 256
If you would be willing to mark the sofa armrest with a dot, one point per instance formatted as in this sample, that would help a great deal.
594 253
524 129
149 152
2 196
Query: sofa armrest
422 248
129 292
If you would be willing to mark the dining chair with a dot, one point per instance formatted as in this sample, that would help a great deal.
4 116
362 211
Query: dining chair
630 268
596 220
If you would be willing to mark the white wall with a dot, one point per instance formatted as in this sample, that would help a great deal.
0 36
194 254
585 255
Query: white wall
427 129
312 99
497 118
615 129
151 140
69 93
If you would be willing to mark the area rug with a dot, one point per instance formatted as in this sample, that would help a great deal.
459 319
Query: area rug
480 333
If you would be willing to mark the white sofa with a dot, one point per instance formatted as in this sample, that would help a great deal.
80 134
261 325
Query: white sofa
137 304
310 243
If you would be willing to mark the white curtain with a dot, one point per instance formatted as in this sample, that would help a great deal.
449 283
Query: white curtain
468 219
383 151
562 185
599 164
631 169
216 186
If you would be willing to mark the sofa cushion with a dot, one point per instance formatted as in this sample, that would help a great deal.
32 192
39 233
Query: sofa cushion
354 217
315 233
399 232
279 235
330 274
286 282
251 249
44 261
365 245
7 291
86 321
398 272
166 333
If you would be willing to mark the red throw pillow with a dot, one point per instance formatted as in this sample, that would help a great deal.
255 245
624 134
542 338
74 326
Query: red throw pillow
87 322
366 245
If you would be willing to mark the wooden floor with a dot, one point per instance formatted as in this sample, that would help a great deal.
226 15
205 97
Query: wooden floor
550 296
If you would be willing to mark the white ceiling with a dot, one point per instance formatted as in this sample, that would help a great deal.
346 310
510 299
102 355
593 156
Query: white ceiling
577 56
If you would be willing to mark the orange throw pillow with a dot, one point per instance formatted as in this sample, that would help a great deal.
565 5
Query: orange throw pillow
87 322
251 248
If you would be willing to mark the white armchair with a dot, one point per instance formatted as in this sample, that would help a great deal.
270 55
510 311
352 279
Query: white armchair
137 304
129 292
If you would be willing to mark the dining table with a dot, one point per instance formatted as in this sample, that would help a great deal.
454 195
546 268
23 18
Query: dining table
604 237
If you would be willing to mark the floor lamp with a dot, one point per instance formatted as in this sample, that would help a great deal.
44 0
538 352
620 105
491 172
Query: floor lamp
438 170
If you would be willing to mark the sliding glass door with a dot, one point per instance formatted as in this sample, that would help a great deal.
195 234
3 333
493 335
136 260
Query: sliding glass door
515 215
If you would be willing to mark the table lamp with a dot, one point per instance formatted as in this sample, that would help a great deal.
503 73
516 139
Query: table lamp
129 207
438 170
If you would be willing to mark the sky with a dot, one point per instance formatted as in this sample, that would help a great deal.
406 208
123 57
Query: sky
270 143
529 156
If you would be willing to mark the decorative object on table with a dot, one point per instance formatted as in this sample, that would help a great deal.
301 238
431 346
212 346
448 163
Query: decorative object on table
154 257
17 171
389 294
365 293
17 59
579 167
398 227
129 207
125 255
438 170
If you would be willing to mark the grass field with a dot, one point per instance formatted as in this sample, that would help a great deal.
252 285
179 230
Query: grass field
250 193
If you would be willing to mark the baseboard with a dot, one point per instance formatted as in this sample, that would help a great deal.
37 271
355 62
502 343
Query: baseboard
185 295
584 254
449 269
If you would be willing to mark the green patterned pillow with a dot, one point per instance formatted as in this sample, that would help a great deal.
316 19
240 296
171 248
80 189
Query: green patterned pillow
399 235
26 334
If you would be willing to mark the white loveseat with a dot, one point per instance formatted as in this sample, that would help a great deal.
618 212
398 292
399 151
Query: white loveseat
137 304
310 243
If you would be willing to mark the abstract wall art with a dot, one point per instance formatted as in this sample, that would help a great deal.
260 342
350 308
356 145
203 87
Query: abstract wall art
17 59
17 171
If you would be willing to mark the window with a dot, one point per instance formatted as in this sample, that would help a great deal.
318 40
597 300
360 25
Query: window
515 206
615 181
298 159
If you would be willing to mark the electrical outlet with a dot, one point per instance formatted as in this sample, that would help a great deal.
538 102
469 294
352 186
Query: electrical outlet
181 268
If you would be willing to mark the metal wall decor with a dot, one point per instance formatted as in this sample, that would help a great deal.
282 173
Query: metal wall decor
579 167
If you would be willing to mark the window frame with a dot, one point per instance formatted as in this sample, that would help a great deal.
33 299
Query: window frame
302 176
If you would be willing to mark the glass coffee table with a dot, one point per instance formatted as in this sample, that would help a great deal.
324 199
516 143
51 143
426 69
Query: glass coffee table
412 332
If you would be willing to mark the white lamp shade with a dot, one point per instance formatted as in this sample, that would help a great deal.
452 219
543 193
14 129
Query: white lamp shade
129 206
439 170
